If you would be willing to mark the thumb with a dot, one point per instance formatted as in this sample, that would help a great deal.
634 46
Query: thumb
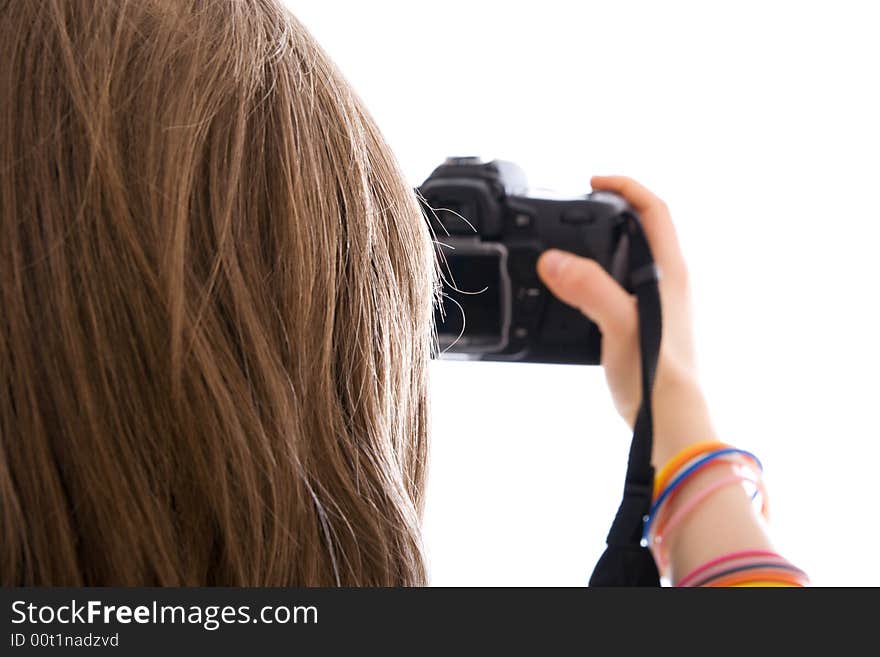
582 283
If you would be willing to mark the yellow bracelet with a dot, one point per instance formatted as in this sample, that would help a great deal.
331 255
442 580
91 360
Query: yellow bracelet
759 583
688 453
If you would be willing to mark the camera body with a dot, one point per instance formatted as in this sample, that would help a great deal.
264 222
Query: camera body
489 233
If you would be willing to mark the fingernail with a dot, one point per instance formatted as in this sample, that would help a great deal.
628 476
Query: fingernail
552 261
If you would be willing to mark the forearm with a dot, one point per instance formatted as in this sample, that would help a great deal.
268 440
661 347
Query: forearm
681 417
717 517
726 520
723 523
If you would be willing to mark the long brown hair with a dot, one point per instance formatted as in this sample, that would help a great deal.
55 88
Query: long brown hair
215 305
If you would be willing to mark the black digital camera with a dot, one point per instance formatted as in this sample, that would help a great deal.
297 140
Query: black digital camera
489 233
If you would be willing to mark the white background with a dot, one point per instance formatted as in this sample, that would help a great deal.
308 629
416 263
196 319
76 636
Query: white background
758 123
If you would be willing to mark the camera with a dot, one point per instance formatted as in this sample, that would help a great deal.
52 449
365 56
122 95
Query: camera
489 232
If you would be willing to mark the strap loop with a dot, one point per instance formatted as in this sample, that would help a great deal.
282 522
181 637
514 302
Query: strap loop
645 274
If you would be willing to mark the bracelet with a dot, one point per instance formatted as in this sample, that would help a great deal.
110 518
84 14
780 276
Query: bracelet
797 578
746 568
733 556
680 514
726 461
687 454
683 475
776 566
762 583
743 568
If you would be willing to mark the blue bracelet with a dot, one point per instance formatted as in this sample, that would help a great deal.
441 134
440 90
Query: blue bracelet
679 479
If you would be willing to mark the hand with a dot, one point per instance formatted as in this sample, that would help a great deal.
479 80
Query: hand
681 416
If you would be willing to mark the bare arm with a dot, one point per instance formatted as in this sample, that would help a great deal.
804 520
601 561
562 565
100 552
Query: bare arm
725 522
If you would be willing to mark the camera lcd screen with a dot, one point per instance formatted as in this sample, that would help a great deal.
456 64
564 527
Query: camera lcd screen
473 304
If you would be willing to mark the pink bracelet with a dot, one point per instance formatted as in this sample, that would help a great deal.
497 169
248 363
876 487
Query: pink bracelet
765 564
692 504
742 554
661 512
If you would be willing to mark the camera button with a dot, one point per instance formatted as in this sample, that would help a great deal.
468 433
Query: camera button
522 220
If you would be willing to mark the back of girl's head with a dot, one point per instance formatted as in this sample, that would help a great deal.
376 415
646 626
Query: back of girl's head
215 305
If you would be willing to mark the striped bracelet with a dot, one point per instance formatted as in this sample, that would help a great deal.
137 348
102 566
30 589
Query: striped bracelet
744 568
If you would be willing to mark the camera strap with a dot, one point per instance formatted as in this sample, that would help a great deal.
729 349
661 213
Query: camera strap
626 562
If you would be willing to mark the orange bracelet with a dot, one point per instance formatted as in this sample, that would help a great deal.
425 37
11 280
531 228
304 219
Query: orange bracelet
662 512
765 583
772 575
687 454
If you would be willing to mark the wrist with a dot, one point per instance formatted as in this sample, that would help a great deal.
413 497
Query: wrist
681 418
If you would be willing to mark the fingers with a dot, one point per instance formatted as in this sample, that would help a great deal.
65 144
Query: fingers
639 196
655 217
583 283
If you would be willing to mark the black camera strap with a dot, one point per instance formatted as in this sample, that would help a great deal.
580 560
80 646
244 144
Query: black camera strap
626 562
